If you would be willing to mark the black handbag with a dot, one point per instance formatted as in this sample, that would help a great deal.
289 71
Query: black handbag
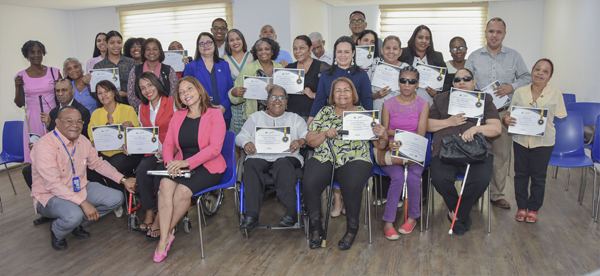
455 151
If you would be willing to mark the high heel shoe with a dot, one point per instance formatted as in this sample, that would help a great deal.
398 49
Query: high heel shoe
335 214
160 257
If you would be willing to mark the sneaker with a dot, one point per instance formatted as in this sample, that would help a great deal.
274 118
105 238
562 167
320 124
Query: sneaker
119 211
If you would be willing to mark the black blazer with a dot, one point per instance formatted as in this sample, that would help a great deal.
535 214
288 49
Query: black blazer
85 117
436 60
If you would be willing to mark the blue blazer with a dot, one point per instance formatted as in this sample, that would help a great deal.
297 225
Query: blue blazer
198 70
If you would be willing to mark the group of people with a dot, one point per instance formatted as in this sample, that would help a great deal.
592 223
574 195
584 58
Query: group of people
73 184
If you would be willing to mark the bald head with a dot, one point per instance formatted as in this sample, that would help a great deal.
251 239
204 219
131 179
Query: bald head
267 31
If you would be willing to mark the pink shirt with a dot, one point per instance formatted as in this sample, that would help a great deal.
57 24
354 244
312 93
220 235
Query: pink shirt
52 173
405 117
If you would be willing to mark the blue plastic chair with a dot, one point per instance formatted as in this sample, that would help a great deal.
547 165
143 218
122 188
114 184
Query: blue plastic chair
12 147
596 159
228 180
589 113
569 98
568 146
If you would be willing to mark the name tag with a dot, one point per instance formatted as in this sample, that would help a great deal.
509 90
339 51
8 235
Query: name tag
76 184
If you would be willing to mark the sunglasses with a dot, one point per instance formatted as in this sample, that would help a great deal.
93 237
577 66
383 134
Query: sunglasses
410 81
466 79
456 49
274 98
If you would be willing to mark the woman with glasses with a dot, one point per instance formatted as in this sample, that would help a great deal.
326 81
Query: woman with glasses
213 73
280 165
458 51
32 85
442 124
406 111
532 153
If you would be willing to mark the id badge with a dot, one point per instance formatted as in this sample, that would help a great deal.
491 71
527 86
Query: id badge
76 184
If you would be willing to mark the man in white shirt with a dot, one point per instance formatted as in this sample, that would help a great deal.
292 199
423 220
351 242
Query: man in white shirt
219 30
284 57
318 48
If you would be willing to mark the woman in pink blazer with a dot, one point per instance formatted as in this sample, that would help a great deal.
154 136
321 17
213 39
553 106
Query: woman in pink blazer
194 141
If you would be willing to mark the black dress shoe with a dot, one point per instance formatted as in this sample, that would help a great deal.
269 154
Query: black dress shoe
344 245
249 223
286 221
80 233
316 243
468 224
58 245
459 228
41 220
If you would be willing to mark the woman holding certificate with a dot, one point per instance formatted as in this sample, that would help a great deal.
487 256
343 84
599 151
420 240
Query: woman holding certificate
392 49
442 124
351 160
100 51
112 112
115 59
152 58
532 152
80 82
280 163
194 141
213 73
406 111
366 38
420 51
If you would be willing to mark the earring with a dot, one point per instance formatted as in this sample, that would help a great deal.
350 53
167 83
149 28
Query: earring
335 62
352 63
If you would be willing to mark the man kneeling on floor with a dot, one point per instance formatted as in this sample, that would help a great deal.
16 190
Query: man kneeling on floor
60 187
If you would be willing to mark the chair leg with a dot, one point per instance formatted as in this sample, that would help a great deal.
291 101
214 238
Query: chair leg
594 203
568 177
554 171
377 195
10 178
200 211
582 184
1 209
429 203
367 196
421 202
369 211
489 209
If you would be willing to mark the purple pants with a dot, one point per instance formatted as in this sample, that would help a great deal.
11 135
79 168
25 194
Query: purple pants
396 172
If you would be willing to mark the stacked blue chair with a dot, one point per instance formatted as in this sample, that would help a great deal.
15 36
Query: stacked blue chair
569 98
12 146
589 113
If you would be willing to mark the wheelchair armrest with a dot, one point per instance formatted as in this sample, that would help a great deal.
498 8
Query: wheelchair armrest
240 166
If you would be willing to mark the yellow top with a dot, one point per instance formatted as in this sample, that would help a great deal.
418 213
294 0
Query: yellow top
122 113
552 99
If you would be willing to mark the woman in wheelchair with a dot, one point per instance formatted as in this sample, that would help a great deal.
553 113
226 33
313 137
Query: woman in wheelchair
280 165
194 141
353 164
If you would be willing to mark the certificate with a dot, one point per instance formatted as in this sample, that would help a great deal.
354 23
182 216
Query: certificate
359 124
272 139
33 138
256 87
292 80
386 75
111 74
499 102
109 137
530 121
412 146
365 55
469 102
432 76
176 59
142 140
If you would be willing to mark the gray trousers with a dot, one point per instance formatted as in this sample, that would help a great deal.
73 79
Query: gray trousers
69 215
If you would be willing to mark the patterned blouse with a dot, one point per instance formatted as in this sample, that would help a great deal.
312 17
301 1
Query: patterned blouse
346 150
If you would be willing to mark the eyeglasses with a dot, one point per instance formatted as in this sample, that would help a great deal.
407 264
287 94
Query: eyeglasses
205 44
410 81
217 28
354 21
455 49
274 98
466 79
70 122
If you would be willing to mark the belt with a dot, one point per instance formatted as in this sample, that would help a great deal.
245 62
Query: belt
502 109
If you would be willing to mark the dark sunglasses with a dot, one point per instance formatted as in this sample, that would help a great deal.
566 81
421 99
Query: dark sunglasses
466 79
410 81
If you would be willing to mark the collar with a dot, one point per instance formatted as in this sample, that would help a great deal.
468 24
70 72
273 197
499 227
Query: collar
71 103
157 106
503 50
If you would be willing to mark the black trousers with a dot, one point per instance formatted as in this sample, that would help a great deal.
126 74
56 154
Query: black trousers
283 172
27 175
531 163
444 176
145 182
351 177
123 163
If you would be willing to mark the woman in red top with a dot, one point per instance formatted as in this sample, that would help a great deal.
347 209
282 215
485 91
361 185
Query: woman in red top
196 133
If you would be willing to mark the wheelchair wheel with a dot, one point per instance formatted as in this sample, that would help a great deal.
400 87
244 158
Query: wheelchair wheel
187 225
133 222
211 202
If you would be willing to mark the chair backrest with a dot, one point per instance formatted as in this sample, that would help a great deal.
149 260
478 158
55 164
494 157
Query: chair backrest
589 111
228 152
12 140
569 135
569 98
596 144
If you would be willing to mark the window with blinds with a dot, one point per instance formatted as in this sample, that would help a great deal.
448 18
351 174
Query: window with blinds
174 21
445 21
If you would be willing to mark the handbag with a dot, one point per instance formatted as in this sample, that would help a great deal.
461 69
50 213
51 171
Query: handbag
456 151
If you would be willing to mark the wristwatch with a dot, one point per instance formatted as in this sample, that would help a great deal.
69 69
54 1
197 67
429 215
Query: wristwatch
123 180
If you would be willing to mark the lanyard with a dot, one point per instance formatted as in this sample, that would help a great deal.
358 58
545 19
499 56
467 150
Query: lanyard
71 156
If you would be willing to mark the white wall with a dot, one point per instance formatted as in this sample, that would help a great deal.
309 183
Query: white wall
307 16
86 24
251 15
340 18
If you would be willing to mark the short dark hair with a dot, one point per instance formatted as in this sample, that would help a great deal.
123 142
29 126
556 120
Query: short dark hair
96 50
60 110
219 19
365 32
455 39
496 19
28 46
155 81
409 69
113 33
228 50
272 43
161 57
129 44
413 39
549 61
106 84
465 69
305 39
334 67
359 12
216 57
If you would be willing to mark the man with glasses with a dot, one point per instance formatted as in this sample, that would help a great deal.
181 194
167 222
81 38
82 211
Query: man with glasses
358 23
60 187
494 62
219 31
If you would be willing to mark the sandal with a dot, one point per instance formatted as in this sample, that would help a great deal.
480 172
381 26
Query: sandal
521 217
145 229
150 237
530 218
